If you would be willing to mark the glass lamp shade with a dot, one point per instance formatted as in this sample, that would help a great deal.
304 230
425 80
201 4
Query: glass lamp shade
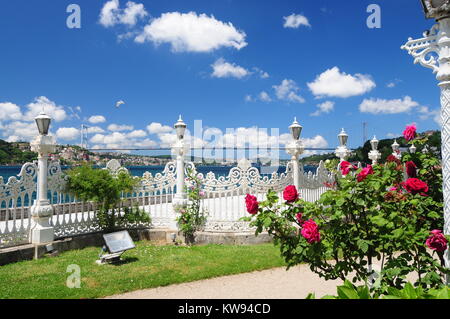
374 142
43 123
343 138
296 130
180 128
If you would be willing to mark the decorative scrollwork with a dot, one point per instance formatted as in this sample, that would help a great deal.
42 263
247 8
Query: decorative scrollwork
423 50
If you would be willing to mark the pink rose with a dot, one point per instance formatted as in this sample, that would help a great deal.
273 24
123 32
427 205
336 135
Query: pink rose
415 186
310 231
410 132
437 241
364 173
345 167
290 194
411 169
393 189
252 204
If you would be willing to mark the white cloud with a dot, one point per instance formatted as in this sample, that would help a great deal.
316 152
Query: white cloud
95 119
333 83
287 91
19 131
56 112
264 96
111 14
95 129
9 111
382 106
137 133
223 69
158 128
295 20
248 98
119 128
189 32
325 107
67 133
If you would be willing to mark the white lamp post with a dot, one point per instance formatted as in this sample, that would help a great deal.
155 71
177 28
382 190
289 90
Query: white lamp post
437 42
374 154
41 211
295 149
342 151
180 150
396 150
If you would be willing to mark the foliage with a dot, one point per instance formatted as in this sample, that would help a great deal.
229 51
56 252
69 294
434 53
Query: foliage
367 230
350 291
192 217
101 187
9 154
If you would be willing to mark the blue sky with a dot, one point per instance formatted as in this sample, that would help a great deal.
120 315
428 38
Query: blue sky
231 64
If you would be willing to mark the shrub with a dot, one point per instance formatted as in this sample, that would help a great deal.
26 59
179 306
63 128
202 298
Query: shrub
191 217
350 291
370 218
102 188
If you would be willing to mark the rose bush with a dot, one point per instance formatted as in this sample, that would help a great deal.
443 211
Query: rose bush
371 216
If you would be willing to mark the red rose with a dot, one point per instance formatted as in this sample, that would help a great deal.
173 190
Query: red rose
310 231
392 158
290 194
415 186
364 173
437 241
411 169
345 167
252 204
299 219
410 132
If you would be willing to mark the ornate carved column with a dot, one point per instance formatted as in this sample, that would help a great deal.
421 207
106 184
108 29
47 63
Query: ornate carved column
41 211
295 149
180 149
433 51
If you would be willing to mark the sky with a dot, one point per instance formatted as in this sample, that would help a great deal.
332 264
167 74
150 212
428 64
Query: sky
242 68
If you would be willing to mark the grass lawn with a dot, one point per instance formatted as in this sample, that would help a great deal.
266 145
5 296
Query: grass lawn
146 266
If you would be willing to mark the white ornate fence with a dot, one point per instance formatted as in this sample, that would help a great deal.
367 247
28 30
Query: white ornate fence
224 199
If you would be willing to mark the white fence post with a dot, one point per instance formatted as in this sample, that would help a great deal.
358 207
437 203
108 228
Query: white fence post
295 149
41 211
180 150
342 151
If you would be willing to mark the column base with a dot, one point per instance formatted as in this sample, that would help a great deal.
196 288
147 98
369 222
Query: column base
42 235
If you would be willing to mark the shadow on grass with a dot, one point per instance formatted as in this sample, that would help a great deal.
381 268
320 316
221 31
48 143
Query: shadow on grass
125 260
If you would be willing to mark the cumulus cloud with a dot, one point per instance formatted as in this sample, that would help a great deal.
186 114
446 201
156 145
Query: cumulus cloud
287 91
119 128
112 15
333 83
325 107
9 111
42 103
95 119
19 131
382 106
158 128
67 133
192 32
137 133
295 21
223 69
265 97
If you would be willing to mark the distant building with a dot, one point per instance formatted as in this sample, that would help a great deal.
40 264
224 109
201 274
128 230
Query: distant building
23 146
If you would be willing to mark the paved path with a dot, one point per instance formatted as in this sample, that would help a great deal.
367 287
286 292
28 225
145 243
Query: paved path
275 283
